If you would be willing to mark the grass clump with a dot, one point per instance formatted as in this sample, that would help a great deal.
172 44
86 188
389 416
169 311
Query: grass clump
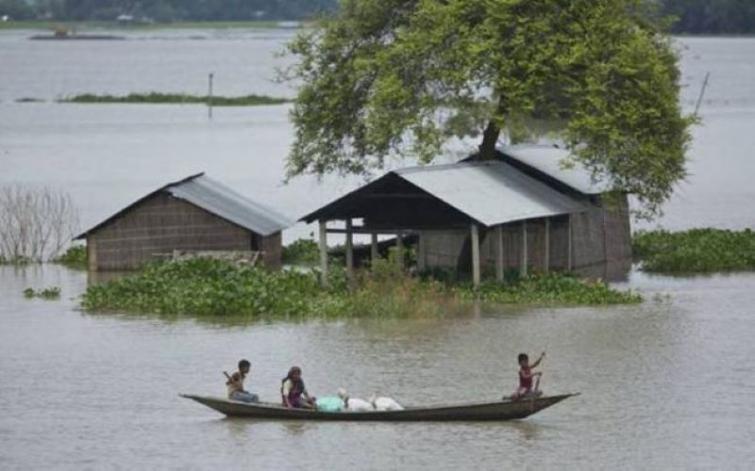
74 257
47 293
177 98
695 251
218 289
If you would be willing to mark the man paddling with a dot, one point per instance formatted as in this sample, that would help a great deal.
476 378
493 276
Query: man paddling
235 384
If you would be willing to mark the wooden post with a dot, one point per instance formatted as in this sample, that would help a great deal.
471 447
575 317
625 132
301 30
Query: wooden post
349 251
421 252
324 253
374 253
475 256
569 261
399 250
523 263
499 253
547 248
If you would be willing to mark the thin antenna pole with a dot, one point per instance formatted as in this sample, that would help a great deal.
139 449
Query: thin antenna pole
209 96
702 93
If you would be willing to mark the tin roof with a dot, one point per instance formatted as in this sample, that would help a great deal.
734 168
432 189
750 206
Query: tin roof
220 200
547 160
490 192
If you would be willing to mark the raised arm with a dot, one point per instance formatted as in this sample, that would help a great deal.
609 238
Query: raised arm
534 365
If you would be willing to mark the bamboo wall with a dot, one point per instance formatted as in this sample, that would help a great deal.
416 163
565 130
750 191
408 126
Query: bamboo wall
601 244
162 224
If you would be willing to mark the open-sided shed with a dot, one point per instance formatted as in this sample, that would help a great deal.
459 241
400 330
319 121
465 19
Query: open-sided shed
479 217
193 214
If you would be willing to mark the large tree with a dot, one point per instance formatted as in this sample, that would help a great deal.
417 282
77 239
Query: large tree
402 77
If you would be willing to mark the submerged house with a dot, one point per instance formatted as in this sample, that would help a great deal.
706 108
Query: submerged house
520 211
193 214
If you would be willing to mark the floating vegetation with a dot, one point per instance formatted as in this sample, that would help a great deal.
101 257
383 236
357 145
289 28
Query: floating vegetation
695 251
177 98
16 261
74 257
47 293
27 99
553 289
213 288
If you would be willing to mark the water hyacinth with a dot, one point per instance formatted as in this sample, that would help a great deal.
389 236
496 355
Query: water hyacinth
213 288
695 250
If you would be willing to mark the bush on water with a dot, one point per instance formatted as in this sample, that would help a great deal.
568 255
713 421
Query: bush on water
215 288
695 250
301 252
74 257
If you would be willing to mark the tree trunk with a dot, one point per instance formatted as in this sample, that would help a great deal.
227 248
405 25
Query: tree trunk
491 134
489 140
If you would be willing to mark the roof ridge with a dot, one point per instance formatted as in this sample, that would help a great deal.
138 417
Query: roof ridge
448 166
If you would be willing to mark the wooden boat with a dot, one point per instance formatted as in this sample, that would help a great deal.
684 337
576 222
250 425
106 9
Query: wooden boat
502 410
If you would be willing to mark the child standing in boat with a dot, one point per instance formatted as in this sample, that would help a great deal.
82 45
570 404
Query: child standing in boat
526 375
235 384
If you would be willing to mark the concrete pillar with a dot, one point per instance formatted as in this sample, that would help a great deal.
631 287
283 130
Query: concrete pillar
524 260
475 255
547 248
498 243
349 251
323 253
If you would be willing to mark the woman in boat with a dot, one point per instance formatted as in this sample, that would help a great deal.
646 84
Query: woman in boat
293 392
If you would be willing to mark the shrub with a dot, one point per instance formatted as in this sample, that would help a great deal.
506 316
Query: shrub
74 257
301 252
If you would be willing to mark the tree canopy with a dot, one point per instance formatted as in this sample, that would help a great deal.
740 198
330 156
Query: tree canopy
386 78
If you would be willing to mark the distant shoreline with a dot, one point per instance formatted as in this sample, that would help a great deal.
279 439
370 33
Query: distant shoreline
116 26
51 25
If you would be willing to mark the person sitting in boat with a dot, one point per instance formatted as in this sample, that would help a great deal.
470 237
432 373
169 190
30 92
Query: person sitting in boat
354 404
235 384
526 375
293 391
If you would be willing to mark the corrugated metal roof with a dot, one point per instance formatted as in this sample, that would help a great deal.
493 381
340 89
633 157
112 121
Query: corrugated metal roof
547 159
491 192
218 199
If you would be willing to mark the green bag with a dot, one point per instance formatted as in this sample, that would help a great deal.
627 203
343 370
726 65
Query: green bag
329 404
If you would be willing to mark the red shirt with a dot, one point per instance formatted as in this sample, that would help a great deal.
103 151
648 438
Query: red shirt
525 378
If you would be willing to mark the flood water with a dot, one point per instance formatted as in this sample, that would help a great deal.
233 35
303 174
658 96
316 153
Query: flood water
665 385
